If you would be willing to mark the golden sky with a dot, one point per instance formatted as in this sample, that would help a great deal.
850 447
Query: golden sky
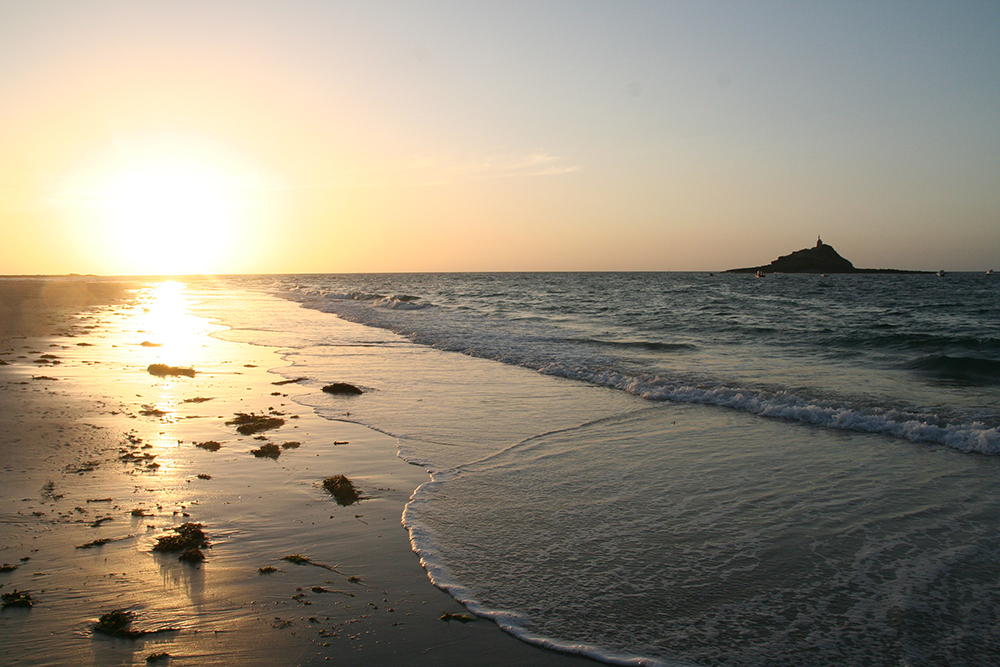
266 137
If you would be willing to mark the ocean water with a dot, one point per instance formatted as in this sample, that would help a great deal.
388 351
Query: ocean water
684 468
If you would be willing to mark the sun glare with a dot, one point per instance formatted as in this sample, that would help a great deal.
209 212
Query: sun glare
170 218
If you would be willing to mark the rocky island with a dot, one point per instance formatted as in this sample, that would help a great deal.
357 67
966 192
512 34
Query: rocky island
821 258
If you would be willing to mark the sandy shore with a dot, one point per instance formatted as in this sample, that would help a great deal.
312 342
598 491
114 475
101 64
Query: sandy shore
99 459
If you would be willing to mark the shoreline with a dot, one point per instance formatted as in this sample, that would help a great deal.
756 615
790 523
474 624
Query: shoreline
74 441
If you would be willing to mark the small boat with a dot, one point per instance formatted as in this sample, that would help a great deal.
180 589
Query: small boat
990 272
759 274
940 273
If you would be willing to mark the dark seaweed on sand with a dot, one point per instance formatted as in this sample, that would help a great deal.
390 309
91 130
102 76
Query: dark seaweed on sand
17 599
342 489
299 559
342 388
281 382
189 536
162 370
96 543
7 567
118 623
248 424
210 445
270 451
192 556
461 618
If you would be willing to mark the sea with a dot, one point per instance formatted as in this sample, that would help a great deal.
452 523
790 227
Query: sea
682 468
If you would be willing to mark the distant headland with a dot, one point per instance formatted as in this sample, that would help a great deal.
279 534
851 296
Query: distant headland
821 258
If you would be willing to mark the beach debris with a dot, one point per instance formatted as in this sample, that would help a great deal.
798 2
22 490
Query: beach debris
448 617
267 569
17 598
342 489
204 476
210 445
250 423
152 411
49 492
191 556
269 450
299 559
163 370
198 399
86 466
146 343
7 567
118 623
96 543
140 511
281 382
341 442
99 500
291 444
190 536
342 388
104 519
156 657
42 377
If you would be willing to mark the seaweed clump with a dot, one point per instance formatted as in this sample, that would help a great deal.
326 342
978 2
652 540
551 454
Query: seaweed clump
118 623
192 556
447 617
17 599
342 489
299 559
209 445
342 388
270 450
248 424
189 540
163 370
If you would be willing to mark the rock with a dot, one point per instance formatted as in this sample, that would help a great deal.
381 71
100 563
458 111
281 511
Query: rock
342 388
819 259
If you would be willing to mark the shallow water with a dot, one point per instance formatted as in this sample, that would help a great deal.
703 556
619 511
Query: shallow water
821 508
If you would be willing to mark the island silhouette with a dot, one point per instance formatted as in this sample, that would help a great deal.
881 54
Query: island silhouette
821 258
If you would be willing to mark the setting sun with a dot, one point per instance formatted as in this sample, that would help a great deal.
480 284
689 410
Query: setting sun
176 217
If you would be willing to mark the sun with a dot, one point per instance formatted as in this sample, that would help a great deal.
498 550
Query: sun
170 217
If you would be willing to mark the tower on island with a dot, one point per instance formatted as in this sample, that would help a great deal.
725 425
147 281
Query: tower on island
819 241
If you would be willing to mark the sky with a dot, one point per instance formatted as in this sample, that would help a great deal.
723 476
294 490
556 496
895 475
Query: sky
302 136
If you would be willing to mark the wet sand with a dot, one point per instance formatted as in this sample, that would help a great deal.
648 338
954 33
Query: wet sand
98 459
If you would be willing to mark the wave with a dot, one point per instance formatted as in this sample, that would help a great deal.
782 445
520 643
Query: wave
971 370
653 346
388 301
928 427
913 341
550 351
424 542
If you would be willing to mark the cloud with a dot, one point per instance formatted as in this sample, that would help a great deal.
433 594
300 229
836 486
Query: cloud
422 170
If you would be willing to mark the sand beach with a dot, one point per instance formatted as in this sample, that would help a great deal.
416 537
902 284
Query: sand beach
101 458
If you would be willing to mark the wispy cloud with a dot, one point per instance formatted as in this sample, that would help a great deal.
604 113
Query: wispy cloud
423 170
